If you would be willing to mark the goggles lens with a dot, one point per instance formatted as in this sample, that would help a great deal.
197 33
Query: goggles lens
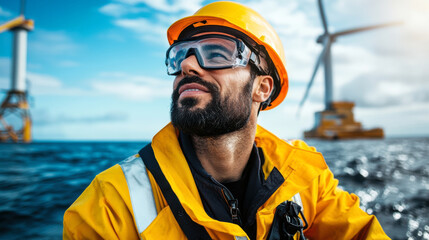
211 51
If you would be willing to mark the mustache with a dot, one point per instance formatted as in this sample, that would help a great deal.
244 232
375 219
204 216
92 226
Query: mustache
194 79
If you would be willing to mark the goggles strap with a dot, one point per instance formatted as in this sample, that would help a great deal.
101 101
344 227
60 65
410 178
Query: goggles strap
254 59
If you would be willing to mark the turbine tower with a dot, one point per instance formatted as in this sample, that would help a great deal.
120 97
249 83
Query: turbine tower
337 120
15 105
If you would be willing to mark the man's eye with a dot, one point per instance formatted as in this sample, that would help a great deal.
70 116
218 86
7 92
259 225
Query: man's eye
217 56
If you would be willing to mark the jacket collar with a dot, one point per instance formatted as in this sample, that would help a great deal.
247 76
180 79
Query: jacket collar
176 170
299 167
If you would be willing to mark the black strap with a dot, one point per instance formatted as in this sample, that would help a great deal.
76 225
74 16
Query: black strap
286 223
191 229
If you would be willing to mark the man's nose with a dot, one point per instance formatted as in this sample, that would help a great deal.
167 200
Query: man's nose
190 66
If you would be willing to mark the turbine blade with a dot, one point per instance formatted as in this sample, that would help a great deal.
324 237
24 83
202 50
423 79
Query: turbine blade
323 16
361 29
22 7
316 67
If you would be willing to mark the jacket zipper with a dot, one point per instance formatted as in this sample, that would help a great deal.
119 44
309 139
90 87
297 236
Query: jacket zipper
232 203
233 206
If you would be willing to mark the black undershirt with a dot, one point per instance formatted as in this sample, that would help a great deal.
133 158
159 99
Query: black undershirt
251 191
238 188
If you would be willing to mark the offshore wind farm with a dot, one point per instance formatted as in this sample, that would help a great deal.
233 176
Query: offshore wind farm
85 86
85 78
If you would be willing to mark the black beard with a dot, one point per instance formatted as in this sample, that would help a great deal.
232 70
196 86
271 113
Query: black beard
219 117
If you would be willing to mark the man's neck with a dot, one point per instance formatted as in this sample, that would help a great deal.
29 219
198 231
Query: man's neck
225 157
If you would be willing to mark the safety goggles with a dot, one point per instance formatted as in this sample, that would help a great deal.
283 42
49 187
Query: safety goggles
212 51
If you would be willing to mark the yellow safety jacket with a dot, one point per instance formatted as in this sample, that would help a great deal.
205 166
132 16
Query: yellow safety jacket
110 208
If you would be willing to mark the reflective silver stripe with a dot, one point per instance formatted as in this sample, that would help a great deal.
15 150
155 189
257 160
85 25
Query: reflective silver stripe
297 199
240 238
141 194
142 199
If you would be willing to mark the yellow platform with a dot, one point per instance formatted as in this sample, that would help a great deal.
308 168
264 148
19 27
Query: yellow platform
339 123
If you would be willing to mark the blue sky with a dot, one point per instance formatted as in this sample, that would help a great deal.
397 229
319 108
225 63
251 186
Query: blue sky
96 68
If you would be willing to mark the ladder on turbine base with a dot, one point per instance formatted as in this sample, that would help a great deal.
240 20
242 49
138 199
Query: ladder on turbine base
15 105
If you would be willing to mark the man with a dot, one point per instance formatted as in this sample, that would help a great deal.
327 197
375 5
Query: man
213 173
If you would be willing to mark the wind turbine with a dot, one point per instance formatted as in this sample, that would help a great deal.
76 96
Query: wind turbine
327 39
15 103
337 120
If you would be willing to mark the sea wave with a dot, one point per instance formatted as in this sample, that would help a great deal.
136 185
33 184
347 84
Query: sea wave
38 181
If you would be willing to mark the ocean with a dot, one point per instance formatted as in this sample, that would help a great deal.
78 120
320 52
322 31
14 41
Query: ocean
39 181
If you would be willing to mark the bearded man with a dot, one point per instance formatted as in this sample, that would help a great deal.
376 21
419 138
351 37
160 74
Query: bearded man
213 173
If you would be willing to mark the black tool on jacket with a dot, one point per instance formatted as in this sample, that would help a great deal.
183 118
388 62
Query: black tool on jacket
191 229
287 223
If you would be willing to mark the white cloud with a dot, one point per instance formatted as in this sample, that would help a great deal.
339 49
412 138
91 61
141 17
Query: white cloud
4 12
52 43
285 123
349 62
133 87
146 29
393 119
378 90
43 84
43 81
298 30
151 27
46 118
114 9
286 17
117 84
5 77
68 63
167 6
118 10
112 35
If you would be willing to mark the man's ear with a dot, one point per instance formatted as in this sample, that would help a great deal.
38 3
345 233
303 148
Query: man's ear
262 88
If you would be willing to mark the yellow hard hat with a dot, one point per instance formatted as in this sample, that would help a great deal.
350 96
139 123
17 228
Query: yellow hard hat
245 20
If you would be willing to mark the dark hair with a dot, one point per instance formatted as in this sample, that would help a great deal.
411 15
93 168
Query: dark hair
254 71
